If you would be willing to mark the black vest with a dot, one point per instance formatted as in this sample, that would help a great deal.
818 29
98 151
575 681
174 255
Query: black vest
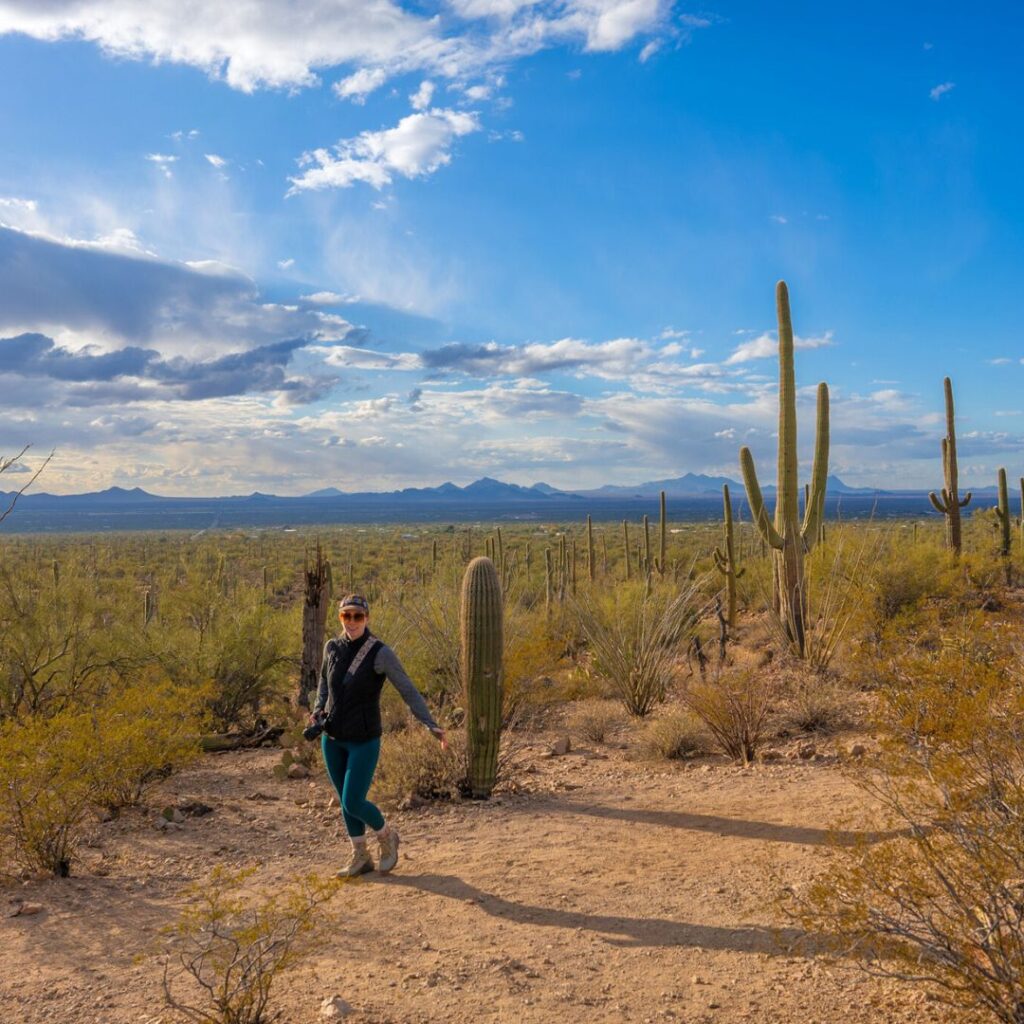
353 701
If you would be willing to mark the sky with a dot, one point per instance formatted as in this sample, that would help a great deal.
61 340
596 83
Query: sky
280 245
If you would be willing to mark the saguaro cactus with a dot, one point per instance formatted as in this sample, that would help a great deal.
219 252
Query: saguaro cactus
662 531
482 642
1003 515
725 561
787 537
950 504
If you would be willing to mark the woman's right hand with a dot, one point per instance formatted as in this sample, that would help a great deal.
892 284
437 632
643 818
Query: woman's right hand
439 733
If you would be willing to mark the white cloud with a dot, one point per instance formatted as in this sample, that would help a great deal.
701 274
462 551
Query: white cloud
359 85
163 161
778 218
765 345
12 203
418 145
940 90
286 264
422 97
1000 361
329 298
216 161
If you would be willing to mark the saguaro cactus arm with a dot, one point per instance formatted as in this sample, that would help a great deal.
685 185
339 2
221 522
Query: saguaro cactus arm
939 503
765 526
815 504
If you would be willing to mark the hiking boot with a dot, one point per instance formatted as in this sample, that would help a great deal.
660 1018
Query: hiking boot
388 850
359 864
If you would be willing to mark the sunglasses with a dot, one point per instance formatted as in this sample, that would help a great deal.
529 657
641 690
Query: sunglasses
353 616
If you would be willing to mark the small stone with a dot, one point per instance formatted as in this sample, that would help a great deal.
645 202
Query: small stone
698 980
561 747
334 1008
195 808
424 945
858 750
807 751
28 909
298 771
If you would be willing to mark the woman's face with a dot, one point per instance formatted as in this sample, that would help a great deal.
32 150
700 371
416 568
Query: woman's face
353 621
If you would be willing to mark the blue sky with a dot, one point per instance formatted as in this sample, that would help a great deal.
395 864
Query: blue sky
280 245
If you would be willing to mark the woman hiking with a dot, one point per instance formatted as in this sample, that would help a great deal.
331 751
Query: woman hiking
354 668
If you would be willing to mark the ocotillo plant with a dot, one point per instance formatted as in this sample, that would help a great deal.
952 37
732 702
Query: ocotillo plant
482 643
725 561
788 538
1003 515
950 504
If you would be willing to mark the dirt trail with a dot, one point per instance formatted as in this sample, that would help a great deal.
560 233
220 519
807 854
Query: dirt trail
607 892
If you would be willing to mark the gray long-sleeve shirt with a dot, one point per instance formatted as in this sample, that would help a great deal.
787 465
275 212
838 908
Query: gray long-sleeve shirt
386 663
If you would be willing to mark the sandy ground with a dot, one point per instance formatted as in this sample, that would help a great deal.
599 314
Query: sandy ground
608 890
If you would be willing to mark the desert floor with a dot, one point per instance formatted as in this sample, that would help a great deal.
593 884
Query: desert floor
604 889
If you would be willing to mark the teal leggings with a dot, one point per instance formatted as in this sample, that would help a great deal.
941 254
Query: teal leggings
350 767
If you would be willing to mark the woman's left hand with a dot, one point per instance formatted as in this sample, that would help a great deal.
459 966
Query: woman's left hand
439 733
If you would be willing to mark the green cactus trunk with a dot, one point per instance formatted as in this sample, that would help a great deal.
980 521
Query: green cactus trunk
647 546
788 538
625 544
482 643
591 554
950 504
1003 515
662 534
725 560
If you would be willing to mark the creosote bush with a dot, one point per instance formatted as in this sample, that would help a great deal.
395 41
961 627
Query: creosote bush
596 719
412 764
673 733
734 708
821 704
230 946
943 903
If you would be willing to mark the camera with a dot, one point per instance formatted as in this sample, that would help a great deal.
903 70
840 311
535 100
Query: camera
313 730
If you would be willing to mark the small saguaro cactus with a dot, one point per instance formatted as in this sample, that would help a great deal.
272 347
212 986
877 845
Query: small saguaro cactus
625 544
950 503
1003 515
725 561
482 642
788 538
591 554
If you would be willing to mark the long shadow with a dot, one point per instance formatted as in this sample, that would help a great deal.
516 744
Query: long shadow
735 827
617 930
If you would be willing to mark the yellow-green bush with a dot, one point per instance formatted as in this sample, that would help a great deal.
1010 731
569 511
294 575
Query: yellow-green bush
413 764
672 733
734 707
145 729
231 945
48 782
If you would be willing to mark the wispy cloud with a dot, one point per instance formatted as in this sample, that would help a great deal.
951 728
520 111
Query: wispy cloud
767 344
940 90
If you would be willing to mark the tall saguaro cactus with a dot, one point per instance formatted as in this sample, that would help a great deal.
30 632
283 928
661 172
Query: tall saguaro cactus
788 538
1003 515
950 504
482 642
725 560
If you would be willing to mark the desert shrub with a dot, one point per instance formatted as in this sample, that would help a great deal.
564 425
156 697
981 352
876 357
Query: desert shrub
634 638
413 764
734 708
48 772
231 946
145 730
237 643
595 719
672 733
819 704
943 903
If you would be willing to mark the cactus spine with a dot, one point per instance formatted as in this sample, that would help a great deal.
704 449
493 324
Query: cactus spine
950 504
482 644
1003 515
725 561
788 538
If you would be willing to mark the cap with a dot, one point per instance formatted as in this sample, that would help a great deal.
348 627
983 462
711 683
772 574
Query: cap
355 601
